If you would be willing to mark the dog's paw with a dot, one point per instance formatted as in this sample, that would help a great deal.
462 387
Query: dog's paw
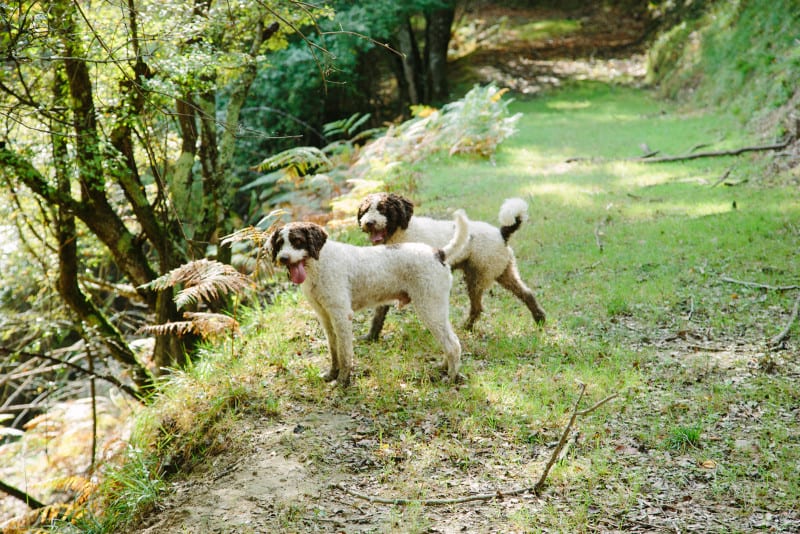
457 379
343 381
330 376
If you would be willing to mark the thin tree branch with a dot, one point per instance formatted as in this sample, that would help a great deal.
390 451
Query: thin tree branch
756 284
716 153
21 495
784 334
108 378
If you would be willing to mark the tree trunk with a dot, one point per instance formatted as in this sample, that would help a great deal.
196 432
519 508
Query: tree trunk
437 40
411 62
67 239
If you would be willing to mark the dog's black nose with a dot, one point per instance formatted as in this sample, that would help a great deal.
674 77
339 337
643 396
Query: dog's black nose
283 260
369 225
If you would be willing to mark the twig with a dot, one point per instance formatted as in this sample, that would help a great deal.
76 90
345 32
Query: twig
21 495
598 232
780 338
722 178
108 378
756 284
536 489
715 153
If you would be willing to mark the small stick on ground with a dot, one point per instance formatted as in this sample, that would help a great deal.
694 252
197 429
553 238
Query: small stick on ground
536 489
756 284
780 338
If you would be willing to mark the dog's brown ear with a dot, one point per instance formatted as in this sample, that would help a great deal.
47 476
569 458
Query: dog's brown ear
275 243
401 209
363 208
315 239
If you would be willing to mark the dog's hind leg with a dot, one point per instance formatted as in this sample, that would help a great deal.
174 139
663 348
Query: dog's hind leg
378 318
511 280
476 285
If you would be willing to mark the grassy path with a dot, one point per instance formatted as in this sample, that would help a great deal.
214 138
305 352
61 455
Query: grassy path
630 262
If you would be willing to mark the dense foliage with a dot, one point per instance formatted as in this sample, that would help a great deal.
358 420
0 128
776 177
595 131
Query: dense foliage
117 149
742 54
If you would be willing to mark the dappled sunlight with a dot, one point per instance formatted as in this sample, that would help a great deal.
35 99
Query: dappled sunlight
634 174
687 209
578 195
561 105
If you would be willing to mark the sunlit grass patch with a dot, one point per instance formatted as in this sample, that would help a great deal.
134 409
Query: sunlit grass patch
546 29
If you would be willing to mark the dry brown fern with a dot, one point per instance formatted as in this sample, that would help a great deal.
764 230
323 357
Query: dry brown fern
203 280
204 324
37 520
258 236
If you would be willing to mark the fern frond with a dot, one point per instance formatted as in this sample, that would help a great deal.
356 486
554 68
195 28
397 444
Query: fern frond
203 324
218 280
258 234
297 161
73 483
203 280
212 324
177 328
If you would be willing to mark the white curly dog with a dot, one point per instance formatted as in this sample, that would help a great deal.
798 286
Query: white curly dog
338 279
389 218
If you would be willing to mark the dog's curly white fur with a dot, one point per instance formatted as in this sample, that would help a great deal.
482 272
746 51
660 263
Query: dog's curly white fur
338 279
388 218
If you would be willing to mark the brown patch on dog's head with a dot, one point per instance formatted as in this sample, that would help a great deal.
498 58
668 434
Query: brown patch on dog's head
302 236
398 211
382 214
309 237
275 243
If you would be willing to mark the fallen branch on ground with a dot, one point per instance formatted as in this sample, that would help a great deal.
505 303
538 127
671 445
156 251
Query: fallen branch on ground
756 284
710 154
780 338
536 489
20 495
716 153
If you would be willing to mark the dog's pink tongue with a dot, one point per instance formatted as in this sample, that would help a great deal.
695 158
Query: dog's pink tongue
297 272
376 237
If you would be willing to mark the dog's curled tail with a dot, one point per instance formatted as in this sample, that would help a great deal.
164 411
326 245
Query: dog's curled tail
513 213
456 245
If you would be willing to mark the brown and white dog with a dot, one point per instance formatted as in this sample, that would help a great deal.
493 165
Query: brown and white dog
339 279
389 218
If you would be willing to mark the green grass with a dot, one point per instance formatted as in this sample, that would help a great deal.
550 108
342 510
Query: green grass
631 319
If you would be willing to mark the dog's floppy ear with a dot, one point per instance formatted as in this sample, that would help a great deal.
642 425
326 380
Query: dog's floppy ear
363 208
309 237
399 210
316 239
275 243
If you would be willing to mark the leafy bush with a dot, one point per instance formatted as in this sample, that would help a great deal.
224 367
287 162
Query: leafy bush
475 124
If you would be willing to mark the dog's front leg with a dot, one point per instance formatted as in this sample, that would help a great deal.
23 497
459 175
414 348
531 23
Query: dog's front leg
342 324
330 335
